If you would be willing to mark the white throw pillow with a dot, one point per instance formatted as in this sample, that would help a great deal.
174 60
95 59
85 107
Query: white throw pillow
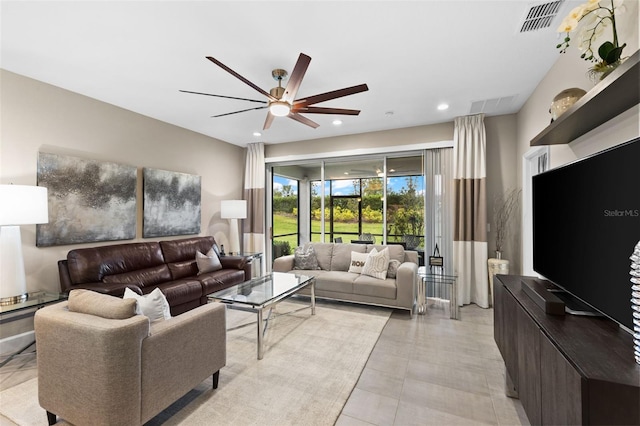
377 264
208 262
153 305
357 262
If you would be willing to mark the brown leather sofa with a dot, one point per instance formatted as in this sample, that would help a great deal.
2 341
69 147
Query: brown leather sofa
169 265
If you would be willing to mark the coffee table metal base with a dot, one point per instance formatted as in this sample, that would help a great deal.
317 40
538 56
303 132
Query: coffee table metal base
262 322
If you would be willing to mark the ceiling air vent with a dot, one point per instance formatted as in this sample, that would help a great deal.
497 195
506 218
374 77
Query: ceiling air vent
493 106
540 16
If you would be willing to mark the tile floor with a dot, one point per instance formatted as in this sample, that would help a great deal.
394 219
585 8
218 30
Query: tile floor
428 370
431 370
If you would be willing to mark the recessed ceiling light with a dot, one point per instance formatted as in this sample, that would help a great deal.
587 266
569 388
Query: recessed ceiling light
346 173
442 107
257 134
337 122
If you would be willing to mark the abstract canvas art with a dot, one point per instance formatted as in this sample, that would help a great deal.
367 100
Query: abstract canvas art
89 200
171 203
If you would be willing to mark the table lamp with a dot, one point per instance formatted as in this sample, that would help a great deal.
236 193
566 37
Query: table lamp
233 210
19 205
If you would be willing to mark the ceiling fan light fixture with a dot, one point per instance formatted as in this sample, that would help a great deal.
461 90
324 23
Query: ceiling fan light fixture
279 108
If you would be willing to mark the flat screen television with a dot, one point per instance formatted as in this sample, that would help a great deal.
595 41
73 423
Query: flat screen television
586 223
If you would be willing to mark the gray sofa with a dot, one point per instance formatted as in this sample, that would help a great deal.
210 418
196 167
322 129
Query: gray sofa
333 281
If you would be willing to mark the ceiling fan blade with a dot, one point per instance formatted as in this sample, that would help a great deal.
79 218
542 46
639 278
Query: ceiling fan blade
223 96
295 79
268 120
330 95
320 110
236 112
303 120
239 77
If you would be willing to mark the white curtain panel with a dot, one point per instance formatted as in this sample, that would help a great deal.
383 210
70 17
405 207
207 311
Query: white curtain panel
254 193
470 212
439 212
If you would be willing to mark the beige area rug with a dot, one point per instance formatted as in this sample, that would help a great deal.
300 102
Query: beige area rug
310 366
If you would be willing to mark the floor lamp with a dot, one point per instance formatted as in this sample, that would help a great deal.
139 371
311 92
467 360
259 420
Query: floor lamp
233 210
19 205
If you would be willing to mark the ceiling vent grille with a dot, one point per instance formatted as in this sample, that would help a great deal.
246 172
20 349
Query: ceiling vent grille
540 16
493 106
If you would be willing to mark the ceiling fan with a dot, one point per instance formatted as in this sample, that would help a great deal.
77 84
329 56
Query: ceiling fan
281 100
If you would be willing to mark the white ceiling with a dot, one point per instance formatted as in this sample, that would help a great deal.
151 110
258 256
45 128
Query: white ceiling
413 56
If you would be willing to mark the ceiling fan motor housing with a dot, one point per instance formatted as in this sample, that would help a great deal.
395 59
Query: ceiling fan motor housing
277 92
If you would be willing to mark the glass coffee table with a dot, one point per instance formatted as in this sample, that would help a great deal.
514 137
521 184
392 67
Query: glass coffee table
263 293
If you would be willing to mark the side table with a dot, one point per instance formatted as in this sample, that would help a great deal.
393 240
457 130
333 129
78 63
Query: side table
256 263
437 281
17 311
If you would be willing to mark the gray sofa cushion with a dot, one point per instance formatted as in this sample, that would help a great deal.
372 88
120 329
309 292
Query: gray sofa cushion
369 286
341 257
323 253
337 281
396 251
101 305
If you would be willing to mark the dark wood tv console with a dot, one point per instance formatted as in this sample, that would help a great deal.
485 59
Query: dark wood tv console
565 369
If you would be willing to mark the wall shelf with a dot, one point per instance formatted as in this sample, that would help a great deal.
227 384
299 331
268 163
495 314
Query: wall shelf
618 92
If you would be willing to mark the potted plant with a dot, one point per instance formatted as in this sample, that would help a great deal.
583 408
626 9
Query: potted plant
503 210
588 22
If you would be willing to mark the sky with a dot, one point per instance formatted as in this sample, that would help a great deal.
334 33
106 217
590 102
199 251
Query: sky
340 187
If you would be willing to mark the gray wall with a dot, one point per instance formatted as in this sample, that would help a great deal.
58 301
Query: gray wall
37 117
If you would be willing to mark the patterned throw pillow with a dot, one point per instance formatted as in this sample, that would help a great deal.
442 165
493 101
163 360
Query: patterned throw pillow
393 268
377 264
305 258
357 262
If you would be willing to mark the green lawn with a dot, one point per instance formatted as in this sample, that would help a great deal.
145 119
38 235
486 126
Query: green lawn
288 225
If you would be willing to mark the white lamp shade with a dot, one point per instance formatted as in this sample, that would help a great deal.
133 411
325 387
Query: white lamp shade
23 205
233 209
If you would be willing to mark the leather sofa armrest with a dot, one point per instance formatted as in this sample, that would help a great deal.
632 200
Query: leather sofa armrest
284 263
234 262
65 277
112 289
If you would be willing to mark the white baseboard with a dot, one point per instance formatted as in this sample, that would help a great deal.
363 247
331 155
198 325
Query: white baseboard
13 344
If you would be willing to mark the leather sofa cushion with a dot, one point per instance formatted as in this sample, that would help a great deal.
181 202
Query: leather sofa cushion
90 265
142 277
221 279
179 292
184 269
185 249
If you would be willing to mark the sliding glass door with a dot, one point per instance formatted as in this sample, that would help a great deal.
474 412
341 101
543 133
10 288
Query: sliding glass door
378 198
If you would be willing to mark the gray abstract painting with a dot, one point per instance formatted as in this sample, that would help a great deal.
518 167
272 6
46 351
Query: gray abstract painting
171 203
89 200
